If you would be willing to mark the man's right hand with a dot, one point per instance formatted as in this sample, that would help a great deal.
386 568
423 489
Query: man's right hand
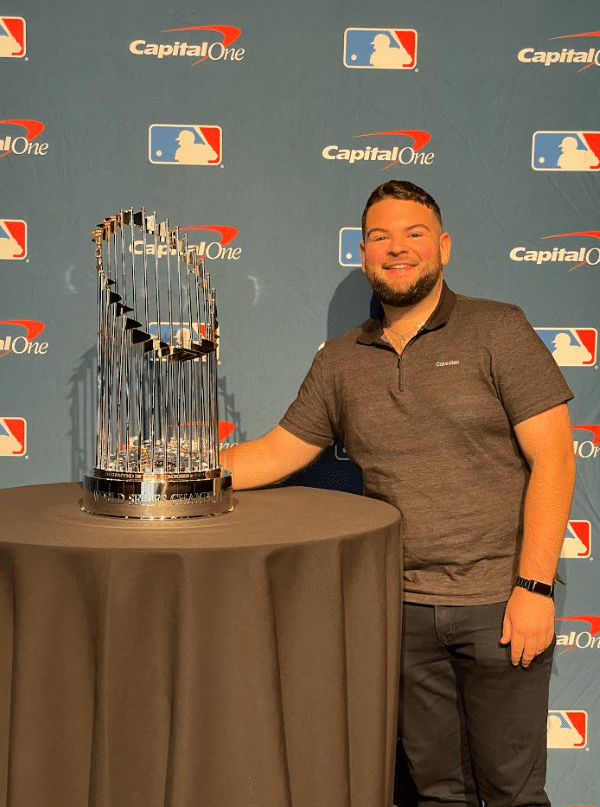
271 458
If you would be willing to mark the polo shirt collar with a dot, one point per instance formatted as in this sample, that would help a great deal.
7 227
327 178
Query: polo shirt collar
372 329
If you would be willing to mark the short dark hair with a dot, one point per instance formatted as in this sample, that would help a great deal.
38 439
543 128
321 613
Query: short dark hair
401 189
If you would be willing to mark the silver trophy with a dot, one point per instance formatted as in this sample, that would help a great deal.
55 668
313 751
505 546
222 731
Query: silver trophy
157 452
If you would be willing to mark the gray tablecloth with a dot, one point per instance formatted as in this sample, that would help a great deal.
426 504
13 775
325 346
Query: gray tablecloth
249 659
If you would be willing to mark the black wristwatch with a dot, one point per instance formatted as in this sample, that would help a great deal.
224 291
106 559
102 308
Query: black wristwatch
534 585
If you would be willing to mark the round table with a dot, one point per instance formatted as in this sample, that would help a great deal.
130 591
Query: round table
247 659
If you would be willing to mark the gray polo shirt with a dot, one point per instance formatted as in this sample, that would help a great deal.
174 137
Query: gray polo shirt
432 432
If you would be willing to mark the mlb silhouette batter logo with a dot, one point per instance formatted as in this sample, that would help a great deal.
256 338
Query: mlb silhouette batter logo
13 240
179 144
567 729
380 48
350 238
566 151
578 540
12 37
13 437
571 347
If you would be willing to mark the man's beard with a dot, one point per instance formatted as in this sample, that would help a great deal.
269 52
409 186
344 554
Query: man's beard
402 297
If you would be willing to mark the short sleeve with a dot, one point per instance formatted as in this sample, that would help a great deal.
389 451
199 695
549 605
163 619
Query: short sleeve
526 375
308 416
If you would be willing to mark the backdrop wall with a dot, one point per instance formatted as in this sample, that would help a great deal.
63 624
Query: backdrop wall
295 112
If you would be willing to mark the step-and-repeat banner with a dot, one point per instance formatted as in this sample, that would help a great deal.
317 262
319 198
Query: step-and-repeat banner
261 129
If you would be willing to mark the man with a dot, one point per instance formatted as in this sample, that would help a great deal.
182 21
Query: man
456 414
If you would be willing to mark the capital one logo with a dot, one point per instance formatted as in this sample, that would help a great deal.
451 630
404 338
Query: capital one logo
12 37
13 437
13 140
216 250
179 46
578 540
18 336
567 729
565 151
391 150
225 430
380 48
585 634
571 347
212 249
13 240
582 256
587 446
566 55
185 144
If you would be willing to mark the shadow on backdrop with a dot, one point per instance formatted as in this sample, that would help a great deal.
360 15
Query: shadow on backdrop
352 303
350 306
229 415
82 409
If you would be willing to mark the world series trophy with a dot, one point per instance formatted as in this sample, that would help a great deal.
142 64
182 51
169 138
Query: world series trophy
157 449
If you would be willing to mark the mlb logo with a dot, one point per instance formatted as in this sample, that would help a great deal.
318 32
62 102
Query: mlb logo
13 437
350 238
13 240
380 48
567 729
179 144
571 347
565 151
12 37
578 540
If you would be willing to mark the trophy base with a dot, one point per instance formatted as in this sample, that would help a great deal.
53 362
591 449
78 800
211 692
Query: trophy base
158 497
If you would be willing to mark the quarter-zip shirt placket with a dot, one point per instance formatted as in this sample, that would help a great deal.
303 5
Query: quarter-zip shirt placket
400 356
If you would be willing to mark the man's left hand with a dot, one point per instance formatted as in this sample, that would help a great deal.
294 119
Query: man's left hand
528 625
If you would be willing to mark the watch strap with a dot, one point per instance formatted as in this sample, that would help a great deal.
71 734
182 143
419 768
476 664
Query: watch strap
535 586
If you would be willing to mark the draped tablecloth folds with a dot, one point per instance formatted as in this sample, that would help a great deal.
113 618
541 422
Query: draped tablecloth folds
248 659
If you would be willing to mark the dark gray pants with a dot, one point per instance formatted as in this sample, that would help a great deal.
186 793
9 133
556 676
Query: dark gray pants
473 726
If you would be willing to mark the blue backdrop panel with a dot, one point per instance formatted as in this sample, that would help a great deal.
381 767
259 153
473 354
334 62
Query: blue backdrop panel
263 130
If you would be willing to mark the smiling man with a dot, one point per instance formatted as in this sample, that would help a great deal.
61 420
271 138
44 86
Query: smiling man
456 413
402 255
